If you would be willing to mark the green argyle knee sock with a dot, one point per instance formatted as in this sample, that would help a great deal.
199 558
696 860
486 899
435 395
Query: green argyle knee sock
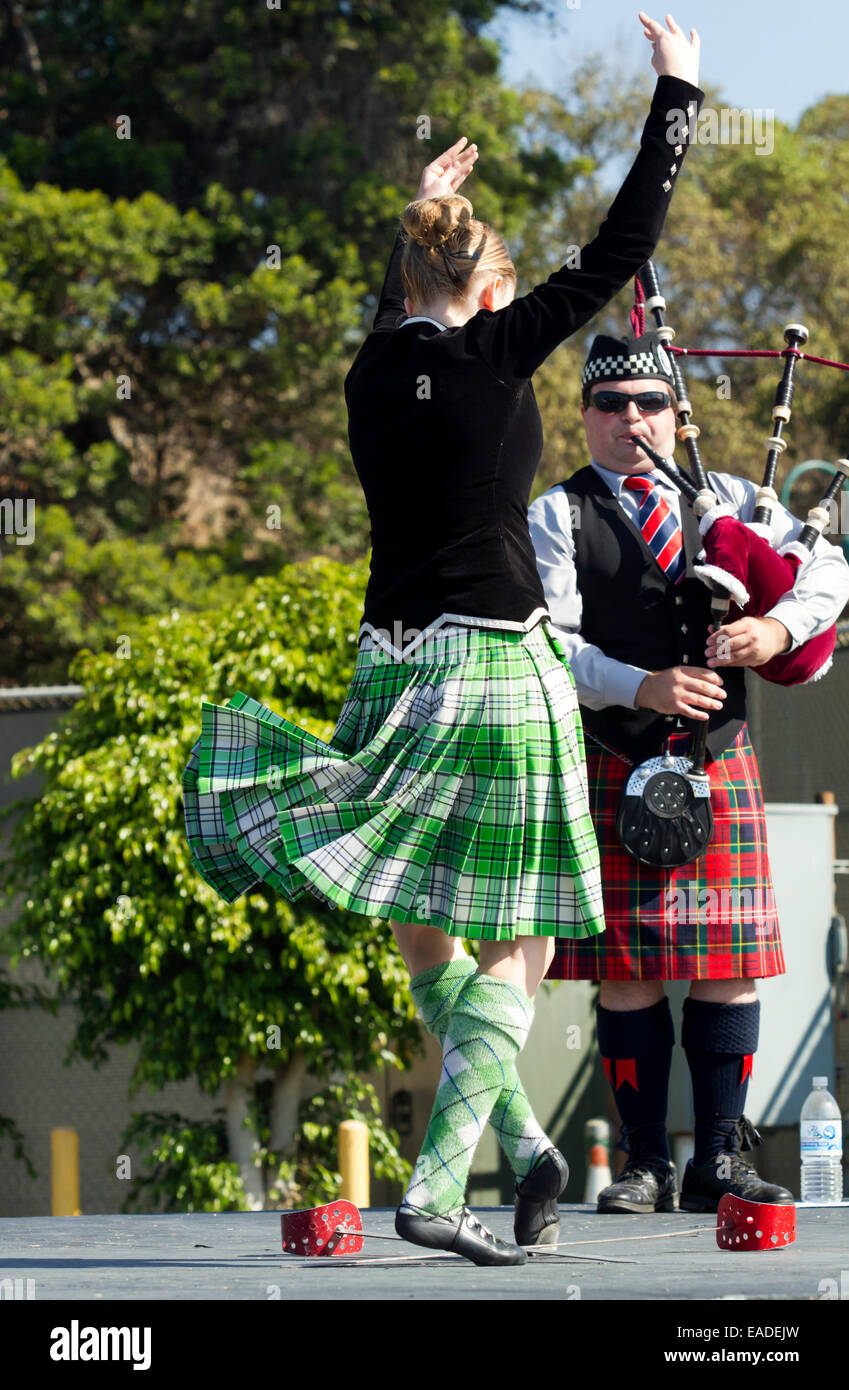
516 1127
487 1029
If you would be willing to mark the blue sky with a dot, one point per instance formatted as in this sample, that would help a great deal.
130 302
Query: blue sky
770 54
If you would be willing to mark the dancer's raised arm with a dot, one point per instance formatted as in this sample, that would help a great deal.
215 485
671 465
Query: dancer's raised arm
521 335
515 338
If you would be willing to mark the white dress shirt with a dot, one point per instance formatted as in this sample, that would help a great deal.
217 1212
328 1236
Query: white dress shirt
816 601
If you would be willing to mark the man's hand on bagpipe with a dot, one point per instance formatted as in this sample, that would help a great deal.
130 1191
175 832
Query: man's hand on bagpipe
748 642
691 691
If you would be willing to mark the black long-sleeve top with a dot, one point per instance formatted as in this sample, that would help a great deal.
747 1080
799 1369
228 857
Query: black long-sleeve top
444 428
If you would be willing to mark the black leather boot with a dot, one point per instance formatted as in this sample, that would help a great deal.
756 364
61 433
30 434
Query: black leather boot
646 1183
537 1219
704 1187
462 1234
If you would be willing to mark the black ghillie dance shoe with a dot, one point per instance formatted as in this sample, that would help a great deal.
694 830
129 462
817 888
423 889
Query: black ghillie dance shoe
537 1219
462 1234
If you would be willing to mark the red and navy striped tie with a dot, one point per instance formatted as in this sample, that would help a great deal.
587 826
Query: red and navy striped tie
661 531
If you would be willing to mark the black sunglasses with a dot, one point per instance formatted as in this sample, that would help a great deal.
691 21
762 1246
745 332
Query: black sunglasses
614 402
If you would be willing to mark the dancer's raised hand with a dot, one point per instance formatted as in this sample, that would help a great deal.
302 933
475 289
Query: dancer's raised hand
445 173
674 54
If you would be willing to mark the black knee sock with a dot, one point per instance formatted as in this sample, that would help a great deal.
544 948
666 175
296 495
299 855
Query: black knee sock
636 1048
720 1041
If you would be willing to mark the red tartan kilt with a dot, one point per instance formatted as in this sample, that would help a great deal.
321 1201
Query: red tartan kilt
714 919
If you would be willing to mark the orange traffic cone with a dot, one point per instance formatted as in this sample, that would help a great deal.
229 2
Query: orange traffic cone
597 1140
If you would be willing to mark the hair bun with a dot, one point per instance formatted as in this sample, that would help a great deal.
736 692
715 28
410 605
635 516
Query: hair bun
434 221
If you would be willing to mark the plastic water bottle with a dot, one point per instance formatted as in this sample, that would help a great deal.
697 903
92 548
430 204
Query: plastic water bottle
821 1142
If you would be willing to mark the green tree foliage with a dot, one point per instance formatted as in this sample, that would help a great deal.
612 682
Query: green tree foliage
76 594
260 990
185 1163
16 996
311 101
137 386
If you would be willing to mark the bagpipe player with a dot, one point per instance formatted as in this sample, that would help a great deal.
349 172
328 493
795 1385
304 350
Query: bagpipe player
615 546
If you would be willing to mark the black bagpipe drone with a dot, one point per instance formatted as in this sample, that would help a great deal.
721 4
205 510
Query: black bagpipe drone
664 817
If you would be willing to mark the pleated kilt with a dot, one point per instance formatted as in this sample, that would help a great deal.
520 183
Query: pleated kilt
453 792
710 920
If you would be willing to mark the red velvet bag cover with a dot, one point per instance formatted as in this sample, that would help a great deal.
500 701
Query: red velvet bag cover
757 577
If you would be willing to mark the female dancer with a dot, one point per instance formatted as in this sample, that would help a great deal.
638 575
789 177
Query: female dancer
452 797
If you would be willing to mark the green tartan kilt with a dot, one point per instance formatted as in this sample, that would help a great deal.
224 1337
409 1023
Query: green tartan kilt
453 792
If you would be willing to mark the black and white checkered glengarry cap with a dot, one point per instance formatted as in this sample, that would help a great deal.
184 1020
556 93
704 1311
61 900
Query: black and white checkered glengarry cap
626 359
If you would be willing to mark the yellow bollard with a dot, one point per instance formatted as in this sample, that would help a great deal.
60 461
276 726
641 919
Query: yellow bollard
65 1172
353 1162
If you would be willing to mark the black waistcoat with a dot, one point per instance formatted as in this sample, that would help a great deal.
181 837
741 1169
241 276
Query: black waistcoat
632 612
